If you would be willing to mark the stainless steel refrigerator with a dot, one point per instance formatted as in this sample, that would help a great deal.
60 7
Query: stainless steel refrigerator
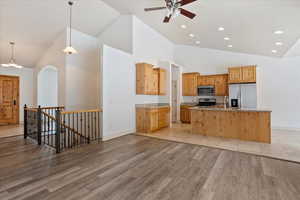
245 93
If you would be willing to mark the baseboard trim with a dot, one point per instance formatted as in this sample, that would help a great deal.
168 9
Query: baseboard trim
286 128
117 134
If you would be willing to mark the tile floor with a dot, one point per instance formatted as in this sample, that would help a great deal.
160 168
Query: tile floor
11 130
285 144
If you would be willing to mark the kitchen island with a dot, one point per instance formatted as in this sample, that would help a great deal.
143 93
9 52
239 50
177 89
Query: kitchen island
244 124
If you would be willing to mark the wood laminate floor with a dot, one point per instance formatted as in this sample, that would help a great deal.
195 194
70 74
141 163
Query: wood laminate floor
137 167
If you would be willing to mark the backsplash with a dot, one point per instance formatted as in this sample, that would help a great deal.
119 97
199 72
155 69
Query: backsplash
186 99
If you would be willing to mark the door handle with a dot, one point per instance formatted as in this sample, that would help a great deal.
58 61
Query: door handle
15 102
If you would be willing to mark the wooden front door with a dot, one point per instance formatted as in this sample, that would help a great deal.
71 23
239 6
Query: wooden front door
9 100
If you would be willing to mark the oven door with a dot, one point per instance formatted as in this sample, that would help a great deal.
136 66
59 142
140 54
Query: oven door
206 91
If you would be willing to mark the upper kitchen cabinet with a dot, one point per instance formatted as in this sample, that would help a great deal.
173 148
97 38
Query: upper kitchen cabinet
221 85
149 80
219 81
161 76
249 74
245 74
190 84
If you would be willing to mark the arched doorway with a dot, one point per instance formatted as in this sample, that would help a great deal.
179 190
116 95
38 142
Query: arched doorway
48 87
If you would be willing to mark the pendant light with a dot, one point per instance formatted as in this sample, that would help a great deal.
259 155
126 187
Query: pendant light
69 49
12 61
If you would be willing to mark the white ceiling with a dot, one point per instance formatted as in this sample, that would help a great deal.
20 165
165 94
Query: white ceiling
34 24
249 23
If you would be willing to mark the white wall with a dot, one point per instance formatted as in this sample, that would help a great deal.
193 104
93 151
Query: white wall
119 34
54 56
149 45
279 78
82 73
118 93
26 76
78 84
48 87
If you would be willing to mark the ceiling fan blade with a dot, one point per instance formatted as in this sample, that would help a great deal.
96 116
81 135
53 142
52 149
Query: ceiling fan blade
156 8
187 13
185 2
167 19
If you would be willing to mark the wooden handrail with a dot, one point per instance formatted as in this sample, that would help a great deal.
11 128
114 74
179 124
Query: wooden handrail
31 109
46 108
81 111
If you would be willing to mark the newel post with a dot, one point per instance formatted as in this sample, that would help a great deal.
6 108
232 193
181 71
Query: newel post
25 122
58 130
39 125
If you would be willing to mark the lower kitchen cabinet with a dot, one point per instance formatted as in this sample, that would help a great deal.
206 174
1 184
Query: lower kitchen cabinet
185 114
152 119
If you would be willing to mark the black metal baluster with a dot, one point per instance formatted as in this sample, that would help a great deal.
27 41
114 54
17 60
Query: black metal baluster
69 138
25 122
73 129
39 126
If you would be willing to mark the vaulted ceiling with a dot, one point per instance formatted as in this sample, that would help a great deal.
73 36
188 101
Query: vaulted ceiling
35 24
248 23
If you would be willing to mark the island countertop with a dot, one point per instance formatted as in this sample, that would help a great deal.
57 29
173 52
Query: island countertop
229 109
153 105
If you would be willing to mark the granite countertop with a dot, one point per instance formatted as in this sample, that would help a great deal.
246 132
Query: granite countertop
230 109
153 105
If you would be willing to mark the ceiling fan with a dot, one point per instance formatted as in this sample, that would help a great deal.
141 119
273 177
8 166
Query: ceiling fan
174 8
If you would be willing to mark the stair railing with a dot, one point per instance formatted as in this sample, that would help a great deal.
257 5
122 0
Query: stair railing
59 129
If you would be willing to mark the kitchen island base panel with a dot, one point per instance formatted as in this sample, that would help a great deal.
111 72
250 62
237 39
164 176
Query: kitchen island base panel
247 126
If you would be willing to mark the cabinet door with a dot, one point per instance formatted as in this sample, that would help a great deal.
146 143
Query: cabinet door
154 82
154 120
162 82
164 117
189 84
249 74
221 85
148 80
235 75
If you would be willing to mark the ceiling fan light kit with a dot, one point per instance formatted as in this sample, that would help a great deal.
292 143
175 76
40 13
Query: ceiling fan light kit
174 9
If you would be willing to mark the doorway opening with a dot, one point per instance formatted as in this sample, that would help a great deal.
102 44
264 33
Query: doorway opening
175 71
48 87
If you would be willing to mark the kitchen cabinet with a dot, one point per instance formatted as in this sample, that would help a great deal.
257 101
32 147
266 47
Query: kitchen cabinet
162 77
190 84
185 114
219 81
152 119
249 74
246 74
150 80
221 85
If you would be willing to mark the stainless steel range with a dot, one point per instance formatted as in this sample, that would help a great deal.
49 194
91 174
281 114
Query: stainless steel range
207 102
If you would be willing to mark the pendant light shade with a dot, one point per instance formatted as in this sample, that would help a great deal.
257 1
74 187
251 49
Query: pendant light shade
12 62
69 49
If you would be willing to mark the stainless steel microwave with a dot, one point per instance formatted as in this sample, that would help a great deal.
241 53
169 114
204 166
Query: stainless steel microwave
206 90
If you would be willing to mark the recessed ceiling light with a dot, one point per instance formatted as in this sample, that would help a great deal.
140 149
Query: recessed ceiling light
230 46
279 32
221 29
279 43
183 26
192 35
197 42
226 38
274 51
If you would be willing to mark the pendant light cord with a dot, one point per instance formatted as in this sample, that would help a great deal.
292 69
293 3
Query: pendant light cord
12 51
71 4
